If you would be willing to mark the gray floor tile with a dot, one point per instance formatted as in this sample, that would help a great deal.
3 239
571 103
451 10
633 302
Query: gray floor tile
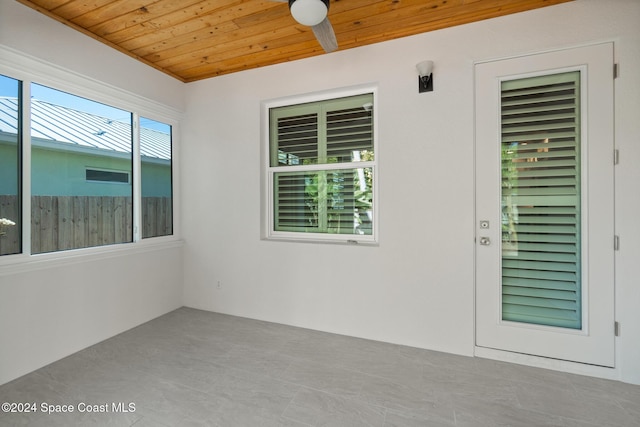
196 368
174 404
257 359
400 419
316 408
408 400
324 377
477 412
575 405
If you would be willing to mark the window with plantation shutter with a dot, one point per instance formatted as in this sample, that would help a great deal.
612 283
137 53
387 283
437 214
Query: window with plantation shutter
321 170
541 218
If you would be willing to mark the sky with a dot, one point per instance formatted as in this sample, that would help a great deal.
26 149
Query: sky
9 87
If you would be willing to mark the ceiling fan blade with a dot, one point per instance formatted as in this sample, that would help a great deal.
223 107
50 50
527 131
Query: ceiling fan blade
325 35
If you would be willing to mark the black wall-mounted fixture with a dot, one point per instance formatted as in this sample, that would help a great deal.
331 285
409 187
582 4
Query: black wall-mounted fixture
425 76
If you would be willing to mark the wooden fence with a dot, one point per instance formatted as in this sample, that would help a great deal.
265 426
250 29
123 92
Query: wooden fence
71 222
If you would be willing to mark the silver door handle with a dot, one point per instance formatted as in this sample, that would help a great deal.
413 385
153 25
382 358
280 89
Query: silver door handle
485 241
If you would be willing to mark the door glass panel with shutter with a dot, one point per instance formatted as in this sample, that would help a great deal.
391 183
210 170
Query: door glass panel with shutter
544 205
541 200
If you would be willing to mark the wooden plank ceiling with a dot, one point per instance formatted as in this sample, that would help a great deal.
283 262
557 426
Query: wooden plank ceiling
197 39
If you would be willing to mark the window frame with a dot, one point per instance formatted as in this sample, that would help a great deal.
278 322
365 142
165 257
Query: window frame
30 70
268 172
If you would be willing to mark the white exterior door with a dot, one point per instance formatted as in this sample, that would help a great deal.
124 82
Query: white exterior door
545 205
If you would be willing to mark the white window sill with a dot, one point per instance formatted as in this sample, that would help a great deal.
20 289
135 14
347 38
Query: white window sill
323 239
21 263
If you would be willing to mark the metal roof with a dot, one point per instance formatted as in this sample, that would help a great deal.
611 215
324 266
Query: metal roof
55 123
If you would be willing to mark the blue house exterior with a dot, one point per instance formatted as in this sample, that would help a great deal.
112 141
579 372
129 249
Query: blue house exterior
75 153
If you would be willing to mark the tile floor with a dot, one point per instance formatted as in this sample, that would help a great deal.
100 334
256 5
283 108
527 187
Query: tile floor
196 368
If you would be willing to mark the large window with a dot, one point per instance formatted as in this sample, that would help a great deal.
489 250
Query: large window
71 139
88 185
321 170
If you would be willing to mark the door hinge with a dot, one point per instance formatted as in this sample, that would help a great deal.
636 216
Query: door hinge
616 329
616 243
616 71
616 156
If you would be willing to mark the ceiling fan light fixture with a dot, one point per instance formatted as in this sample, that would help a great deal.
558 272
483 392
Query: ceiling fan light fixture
309 12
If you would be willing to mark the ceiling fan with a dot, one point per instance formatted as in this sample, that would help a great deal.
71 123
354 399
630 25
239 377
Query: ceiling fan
313 13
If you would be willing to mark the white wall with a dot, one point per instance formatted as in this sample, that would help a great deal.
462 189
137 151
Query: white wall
50 309
53 311
417 286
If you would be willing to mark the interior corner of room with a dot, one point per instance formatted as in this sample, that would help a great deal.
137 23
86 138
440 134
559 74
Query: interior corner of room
443 213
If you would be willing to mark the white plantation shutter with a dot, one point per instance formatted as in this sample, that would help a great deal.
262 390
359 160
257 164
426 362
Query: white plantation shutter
322 166
541 263
297 138
348 130
292 211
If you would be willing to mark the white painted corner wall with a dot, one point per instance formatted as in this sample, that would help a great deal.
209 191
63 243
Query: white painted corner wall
52 308
417 286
